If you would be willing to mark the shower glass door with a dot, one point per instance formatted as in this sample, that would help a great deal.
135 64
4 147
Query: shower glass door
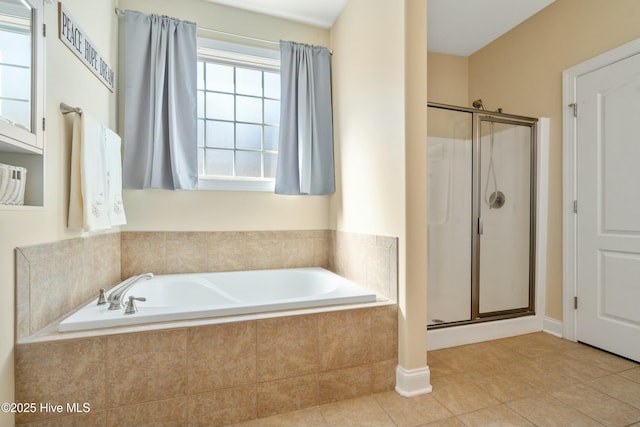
505 220
480 215
449 215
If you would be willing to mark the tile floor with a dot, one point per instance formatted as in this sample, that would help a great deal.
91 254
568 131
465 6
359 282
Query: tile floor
528 380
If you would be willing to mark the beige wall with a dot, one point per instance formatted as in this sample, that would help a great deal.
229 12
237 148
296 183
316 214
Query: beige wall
448 81
67 80
70 82
370 60
226 210
522 73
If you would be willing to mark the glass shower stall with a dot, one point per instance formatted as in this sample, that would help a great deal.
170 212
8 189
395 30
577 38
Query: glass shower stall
480 214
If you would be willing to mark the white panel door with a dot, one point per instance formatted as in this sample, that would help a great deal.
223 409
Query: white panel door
608 219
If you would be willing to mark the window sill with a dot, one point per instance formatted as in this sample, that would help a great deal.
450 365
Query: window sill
237 184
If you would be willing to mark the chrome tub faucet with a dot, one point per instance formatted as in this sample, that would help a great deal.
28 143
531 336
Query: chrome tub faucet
115 297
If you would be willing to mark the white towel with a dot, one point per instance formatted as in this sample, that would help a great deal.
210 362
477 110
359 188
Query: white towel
93 163
113 156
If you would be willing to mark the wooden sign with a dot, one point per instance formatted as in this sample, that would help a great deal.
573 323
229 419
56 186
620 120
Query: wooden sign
77 41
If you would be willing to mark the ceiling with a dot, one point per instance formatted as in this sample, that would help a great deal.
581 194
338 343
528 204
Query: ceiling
455 27
319 13
461 27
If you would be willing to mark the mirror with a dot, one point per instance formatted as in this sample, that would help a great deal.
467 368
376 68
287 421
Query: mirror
16 19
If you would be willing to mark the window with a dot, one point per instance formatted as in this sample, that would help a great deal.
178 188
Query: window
238 117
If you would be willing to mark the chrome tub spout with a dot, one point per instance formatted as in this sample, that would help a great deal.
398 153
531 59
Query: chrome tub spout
115 297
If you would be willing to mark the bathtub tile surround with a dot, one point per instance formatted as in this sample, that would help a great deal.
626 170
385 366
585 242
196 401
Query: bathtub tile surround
145 367
63 371
202 375
287 395
55 278
213 375
287 346
369 260
199 252
221 356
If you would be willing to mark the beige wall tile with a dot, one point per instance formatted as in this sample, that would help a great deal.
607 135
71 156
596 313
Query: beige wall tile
143 252
369 260
221 407
383 375
287 346
285 395
104 270
225 251
22 328
55 278
344 338
297 252
186 252
322 252
143 367
56 287
164 413
261 253
384 333
342 384
221 356
377 269
60 372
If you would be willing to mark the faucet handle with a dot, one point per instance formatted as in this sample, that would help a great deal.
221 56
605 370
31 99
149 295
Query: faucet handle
101 298
131 305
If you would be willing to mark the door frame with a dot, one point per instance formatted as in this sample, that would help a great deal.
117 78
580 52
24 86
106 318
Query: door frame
569 175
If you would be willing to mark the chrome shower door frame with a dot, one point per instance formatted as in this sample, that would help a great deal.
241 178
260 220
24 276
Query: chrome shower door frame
480 116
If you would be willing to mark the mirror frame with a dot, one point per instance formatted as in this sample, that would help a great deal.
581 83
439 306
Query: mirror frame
15 138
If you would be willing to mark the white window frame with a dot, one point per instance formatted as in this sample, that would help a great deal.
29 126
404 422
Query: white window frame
242 56
15 138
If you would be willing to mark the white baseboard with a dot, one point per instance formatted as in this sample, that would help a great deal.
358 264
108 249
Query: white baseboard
413 382
552 326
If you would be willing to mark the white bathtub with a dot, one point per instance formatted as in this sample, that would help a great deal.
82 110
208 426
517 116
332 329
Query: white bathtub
195 296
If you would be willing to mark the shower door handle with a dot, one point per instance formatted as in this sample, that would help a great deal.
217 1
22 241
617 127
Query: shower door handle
480 226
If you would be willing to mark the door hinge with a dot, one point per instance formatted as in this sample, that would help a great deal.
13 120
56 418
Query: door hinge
44 30
575 303
574 105
43 123
575 206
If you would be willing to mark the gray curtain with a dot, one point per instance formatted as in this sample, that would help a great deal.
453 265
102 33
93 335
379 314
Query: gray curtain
305 151
160 118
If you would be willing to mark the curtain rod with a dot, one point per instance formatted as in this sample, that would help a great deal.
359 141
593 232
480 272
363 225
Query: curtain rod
226 33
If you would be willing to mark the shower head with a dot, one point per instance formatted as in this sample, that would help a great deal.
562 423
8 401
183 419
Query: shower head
477 104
